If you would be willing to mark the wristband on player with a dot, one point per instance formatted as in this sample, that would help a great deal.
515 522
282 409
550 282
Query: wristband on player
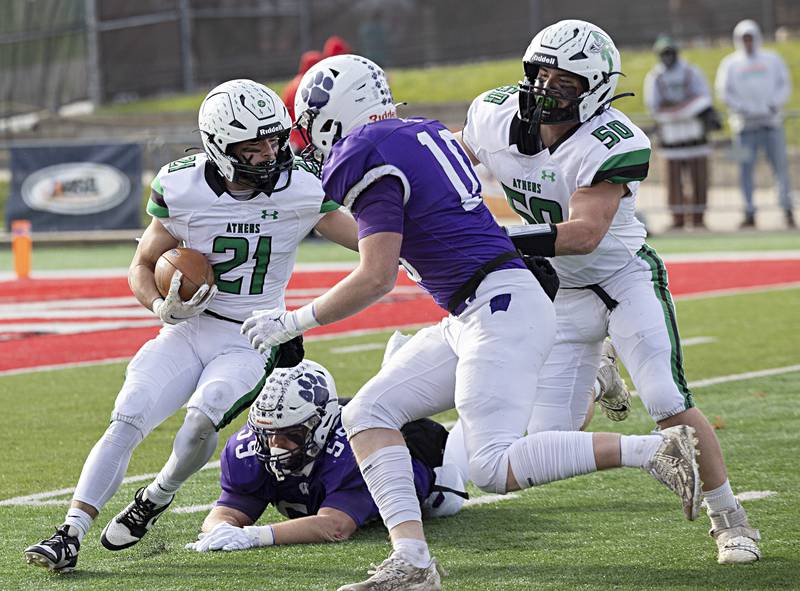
534 239
305 317
262 534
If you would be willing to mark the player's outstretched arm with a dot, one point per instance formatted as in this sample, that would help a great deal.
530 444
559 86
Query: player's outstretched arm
374 277
222 530
328 525
154 242
339 227
591 211
470 154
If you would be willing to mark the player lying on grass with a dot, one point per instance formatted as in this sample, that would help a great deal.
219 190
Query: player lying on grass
293 454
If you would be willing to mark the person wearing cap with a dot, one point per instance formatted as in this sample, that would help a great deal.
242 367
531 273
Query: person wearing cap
754 83
678 97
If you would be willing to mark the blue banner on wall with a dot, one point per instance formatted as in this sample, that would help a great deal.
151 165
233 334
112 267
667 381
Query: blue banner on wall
77 187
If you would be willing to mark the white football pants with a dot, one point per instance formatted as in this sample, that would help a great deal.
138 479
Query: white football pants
485 363
644 330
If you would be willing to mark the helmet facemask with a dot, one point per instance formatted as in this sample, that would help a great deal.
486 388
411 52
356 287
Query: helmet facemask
265 176
300 404
540 105
330 132
283 462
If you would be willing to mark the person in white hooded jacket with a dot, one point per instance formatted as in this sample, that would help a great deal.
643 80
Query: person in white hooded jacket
754 83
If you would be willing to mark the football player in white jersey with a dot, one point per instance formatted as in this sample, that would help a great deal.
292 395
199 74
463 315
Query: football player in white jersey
570 165
246 204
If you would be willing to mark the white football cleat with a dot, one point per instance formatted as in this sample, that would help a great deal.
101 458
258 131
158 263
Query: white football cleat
675 466
614 399
395 574
736 540
58 553
131 525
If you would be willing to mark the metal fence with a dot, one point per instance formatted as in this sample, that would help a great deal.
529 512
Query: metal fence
55 52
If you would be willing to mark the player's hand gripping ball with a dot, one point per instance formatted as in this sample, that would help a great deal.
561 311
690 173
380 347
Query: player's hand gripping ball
186 280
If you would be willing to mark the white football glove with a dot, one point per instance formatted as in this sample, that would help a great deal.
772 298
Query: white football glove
227 537
269 328
173 309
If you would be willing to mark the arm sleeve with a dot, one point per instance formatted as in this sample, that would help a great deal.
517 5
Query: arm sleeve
355 501
625 161
157 205
380 208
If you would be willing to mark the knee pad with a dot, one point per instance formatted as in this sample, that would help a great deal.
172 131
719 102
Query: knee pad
489 471
197 427
361 414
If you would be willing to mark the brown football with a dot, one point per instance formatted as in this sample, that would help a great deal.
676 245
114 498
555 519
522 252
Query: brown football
192 263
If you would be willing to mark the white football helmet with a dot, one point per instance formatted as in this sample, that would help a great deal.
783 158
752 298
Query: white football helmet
301 404
577 47
337 95
240 110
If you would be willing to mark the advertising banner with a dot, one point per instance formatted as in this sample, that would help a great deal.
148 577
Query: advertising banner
77 187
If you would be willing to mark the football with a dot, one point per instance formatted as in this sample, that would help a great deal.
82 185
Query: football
193 264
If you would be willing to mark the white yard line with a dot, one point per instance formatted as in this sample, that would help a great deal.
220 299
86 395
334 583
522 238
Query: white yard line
358 348
691 341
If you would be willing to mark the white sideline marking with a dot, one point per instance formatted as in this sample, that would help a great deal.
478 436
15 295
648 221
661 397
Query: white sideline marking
748 375
755 495
697 341
193 508
358 348
39 499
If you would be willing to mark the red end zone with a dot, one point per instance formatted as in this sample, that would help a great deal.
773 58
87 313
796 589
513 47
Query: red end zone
46 322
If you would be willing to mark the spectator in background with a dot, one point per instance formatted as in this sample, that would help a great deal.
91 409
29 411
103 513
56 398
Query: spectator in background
308 60
754 83
335 45
678 97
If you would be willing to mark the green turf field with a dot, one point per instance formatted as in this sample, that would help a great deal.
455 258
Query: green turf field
615 530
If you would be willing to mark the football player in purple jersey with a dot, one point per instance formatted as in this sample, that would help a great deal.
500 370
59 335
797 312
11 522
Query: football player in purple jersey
293 454
417 200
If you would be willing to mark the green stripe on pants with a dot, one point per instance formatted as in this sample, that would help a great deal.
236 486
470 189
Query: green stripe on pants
660 285
246 400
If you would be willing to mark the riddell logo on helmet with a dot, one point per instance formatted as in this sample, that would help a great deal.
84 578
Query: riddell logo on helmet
544 59
269 129
390 114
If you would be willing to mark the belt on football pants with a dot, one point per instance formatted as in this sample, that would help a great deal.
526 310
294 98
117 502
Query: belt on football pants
221 317
601 293
466 293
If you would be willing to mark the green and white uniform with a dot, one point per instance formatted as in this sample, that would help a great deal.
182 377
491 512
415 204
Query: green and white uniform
205 362
643 327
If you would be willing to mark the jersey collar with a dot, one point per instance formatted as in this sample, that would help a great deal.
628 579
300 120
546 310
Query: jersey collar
518 136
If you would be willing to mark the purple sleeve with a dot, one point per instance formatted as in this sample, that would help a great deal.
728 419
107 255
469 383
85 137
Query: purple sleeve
345 489
355 502
243 478
380 208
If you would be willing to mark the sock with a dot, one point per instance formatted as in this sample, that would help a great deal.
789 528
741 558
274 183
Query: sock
638 450
413 551
390 480
79 522
720 499
158 495
548 456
